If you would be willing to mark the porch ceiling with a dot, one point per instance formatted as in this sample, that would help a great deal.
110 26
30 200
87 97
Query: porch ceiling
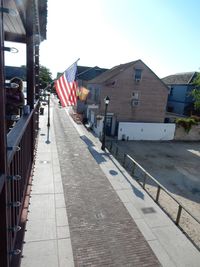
15 26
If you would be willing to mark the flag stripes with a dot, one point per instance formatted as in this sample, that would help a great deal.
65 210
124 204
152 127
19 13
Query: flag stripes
66 86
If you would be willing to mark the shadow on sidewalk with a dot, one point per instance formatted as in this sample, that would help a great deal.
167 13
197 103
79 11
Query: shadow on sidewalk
99 159
86 140
97 156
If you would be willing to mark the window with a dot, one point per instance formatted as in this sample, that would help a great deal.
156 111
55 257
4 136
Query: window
89 95
135 99
170 109
135 95
96 95
138 75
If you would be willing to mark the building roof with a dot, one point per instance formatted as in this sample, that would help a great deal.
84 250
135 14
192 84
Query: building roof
11 72
89 73
112 72
180 78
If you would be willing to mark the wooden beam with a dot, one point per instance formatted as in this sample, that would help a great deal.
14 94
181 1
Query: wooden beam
21 10
14 37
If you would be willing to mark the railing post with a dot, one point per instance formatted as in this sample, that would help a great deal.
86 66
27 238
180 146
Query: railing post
124 161
158 193
133 170
144 182
178 214
116 152
110 146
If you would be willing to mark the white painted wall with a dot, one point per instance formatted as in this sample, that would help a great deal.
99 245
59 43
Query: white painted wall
92 116
146 131
98 128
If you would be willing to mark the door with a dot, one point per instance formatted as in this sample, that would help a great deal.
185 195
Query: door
108 125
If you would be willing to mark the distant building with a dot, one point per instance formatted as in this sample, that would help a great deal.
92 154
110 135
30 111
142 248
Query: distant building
180 86
11 72
84 74
20 72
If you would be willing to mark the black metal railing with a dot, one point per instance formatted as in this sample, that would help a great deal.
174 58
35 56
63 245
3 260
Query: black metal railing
21 150
180 215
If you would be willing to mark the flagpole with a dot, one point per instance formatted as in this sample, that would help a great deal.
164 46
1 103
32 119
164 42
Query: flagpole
67 69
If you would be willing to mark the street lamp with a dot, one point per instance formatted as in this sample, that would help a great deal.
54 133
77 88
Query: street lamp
106 101
48 119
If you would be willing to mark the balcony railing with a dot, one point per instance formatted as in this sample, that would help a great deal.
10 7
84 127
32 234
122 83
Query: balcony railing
15 187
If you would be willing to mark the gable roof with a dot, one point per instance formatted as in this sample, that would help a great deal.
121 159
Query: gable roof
180 78
11 72
112 72
89 73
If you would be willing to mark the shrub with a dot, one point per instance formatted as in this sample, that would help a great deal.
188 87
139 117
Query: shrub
196 118
187 123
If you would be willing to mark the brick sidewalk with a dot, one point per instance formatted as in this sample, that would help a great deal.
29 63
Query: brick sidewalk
101 229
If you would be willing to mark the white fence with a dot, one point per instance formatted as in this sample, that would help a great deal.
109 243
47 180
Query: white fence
146 131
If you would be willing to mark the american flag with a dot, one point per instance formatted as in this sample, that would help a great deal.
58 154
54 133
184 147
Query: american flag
66 86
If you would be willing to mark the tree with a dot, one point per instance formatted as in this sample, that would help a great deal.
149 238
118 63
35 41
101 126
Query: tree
45 77
196 92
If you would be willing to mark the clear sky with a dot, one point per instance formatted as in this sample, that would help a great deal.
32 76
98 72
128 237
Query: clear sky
165 34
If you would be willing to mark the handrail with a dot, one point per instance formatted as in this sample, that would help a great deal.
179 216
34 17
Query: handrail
163 188
21 151
159 187
15 135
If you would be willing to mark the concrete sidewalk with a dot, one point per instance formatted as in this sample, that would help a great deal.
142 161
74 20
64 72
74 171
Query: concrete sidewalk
47 238
48 241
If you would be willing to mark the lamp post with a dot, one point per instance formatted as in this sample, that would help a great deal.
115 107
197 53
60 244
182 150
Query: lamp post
106 101
48 119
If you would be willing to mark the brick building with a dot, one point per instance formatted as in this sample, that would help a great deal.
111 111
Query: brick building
136 95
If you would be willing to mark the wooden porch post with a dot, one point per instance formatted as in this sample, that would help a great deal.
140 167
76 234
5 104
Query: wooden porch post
30 54
30 63
4 256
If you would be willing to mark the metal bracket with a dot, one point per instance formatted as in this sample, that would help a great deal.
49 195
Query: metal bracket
15 204
16 148
10 49
14 177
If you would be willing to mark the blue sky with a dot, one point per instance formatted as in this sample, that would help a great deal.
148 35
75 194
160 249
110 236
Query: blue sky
163 33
